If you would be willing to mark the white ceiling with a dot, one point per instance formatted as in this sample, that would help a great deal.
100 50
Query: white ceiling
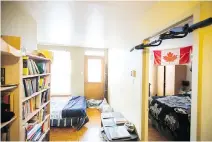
86 24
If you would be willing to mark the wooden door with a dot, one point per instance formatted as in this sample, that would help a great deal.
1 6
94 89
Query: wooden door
94 77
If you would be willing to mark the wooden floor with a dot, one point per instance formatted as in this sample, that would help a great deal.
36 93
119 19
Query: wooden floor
154 135
90 132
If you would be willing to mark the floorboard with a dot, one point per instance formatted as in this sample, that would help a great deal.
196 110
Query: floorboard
89 132
154 135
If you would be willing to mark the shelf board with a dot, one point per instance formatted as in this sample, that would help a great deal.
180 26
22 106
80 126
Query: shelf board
42 137
47 116
30 115
35 75
34 94
39 58
7 49
8 122
7 88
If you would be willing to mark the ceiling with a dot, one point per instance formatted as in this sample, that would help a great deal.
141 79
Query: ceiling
86 24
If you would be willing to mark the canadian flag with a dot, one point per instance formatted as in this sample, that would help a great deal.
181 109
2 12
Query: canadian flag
172 56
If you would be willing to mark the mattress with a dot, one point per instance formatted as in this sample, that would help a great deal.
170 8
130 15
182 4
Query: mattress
173 112
75 122
68 112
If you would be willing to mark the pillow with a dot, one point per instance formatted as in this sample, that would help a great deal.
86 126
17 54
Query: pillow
105 107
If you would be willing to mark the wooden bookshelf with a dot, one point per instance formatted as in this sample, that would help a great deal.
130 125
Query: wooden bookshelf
35 94
35 57
8 122
35 112
7 88
46 89
43 136
36 75
12 61
7 49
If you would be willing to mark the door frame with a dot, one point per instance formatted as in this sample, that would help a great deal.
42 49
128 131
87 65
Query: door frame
86 57
195 130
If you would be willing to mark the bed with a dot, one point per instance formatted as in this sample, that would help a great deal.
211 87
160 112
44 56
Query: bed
171 115
68 112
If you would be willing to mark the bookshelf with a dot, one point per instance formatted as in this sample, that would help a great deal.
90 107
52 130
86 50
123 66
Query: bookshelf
34 99
8 122
7 88
11 62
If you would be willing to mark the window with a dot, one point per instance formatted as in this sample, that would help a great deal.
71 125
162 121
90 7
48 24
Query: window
94 70
61 73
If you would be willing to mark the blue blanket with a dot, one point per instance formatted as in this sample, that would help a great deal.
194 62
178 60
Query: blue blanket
76 107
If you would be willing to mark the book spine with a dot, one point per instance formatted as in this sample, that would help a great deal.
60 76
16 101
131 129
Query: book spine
2 76
25 65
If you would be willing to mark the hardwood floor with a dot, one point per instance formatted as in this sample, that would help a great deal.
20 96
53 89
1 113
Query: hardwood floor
89 132
154 135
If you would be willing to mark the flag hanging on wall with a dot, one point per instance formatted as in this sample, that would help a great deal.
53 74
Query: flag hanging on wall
172 56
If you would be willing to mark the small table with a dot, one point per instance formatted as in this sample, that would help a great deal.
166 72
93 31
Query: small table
109 122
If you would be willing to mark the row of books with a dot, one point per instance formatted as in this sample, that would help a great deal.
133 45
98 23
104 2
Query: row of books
34 103
30 67
28 107
32 85
42 114
35 130
44 82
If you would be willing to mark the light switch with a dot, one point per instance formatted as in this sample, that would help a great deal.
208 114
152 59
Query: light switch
133 73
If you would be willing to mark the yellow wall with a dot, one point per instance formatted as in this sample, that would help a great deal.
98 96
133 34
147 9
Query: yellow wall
159 17
205 76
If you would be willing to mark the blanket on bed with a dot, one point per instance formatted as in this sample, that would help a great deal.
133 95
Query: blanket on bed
68 112
76 107
172 112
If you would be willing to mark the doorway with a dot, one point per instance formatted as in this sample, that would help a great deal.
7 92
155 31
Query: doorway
94 77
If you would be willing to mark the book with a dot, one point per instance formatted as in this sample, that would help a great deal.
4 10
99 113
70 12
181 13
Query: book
26 88
41 83
25 65
108 122
38 101
34 85
30 86
32 131
33 67
41 67
118 132
2 76
107 115
45 126
29 67
120 120
36 68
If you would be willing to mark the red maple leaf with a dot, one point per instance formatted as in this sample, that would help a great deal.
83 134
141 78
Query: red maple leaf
170 57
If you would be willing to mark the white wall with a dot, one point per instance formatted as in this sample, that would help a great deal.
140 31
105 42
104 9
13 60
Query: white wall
124 90
17 22
169 44
77 65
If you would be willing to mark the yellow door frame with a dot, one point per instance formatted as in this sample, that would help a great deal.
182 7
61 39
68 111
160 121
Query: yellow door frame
195 11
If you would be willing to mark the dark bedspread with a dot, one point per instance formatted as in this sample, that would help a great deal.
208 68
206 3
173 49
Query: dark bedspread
173 113
76 107
68 112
